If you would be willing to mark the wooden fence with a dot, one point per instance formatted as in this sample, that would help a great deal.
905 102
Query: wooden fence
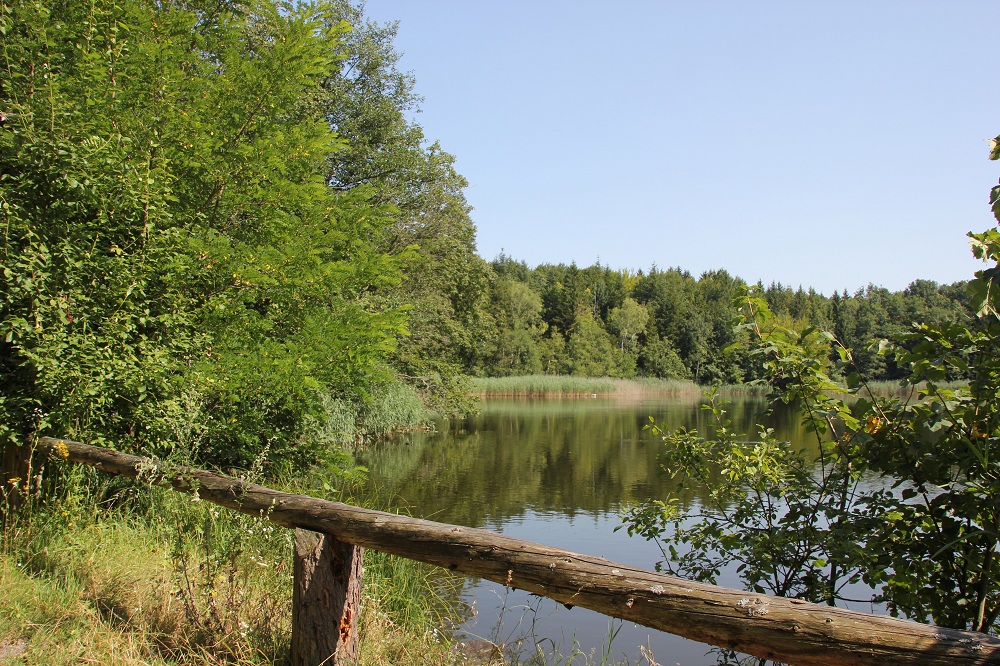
327 571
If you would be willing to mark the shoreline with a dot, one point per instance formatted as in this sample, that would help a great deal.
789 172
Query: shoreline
572 387
579 388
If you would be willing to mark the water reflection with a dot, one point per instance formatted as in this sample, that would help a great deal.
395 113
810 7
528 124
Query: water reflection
555 472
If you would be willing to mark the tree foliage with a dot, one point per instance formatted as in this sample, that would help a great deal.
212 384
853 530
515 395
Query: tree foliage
671 324
169 234
370 103
901 493
779 511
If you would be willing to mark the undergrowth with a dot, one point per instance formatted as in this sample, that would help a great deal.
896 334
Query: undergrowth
114 572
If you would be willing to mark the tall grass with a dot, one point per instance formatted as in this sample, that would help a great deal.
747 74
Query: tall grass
747 390
891 388
397 405
394 406
110 571
573 386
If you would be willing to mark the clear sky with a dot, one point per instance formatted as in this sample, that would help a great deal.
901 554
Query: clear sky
812 143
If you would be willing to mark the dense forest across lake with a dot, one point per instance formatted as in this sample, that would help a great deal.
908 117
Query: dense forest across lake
598 321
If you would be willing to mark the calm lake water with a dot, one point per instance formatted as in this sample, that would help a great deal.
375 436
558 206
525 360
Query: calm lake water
556 472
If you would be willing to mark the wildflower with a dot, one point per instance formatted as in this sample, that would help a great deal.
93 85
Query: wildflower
872 424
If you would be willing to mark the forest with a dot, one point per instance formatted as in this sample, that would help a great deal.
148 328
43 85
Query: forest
667 323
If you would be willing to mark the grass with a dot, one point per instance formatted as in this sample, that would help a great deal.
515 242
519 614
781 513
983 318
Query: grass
745 390
47 620
573 386
114 572
569 386
892 388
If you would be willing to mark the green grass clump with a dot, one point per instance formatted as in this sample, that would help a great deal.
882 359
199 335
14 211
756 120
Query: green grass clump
393 407
538 385
397 405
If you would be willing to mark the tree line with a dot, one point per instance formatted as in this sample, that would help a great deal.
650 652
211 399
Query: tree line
599 321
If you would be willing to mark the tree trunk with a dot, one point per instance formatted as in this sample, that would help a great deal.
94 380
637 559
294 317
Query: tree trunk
785 630
326 600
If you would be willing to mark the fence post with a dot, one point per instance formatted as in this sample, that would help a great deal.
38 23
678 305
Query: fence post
15 472
326 600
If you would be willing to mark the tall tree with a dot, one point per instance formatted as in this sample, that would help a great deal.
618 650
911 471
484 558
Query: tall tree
169 235
369 101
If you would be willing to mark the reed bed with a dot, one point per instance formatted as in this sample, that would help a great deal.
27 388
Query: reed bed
572 386
894 389
745 390
569 386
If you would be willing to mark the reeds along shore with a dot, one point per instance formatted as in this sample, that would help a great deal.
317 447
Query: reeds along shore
572 386
568 386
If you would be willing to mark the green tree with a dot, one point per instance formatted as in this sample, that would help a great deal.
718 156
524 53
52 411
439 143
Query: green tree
658 358
518 309
563 296
936 539
370 103
169 234
628 321
784 517
590 348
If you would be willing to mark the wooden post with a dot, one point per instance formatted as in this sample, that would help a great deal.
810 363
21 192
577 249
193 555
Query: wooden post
326 600
15 470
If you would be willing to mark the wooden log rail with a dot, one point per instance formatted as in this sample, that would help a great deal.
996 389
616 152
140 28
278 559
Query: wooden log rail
777 628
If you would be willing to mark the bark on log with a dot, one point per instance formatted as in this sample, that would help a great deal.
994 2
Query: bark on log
785 630
326 600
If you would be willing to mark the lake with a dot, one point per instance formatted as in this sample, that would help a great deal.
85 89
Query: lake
556 472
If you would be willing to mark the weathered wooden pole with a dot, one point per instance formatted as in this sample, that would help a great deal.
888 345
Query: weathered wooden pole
785 630
15 477
326 600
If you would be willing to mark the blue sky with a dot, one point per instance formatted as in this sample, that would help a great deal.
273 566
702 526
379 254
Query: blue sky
823 144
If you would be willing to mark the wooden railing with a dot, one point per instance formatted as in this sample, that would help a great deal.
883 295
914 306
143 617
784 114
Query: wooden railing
327 569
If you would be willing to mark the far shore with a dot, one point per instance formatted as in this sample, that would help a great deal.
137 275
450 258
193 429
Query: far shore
568 386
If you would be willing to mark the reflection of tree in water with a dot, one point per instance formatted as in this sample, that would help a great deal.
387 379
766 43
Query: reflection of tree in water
563 456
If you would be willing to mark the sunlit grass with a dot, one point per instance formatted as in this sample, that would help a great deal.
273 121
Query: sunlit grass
163 579
747 390
893 388
572 386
